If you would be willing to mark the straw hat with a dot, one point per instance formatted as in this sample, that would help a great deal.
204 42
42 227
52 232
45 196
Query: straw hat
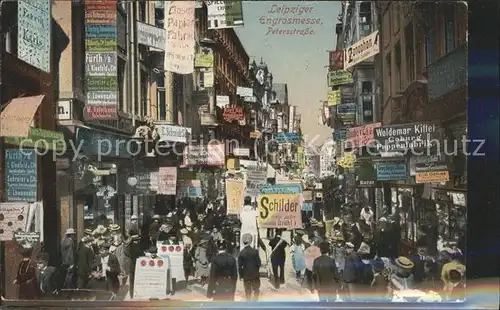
70 231
114 227
404 262
133 217
184 231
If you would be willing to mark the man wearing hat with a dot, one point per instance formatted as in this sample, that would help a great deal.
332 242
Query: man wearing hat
249 268
68 258
154 229
132 251
110 268
47 277
223 275
85 261
133 225
351 270
402 279
325 274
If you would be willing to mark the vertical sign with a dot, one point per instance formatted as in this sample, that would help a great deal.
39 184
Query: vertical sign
34 32
101 60
180 43
167 180
235 194
20 175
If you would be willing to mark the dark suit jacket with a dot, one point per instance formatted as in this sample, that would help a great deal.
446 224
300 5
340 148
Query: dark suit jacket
418 268
352 266
85 261
68 252
325 272
112 274
47 281
223 277
249 263
279 255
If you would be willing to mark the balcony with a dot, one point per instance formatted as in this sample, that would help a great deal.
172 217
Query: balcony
447 74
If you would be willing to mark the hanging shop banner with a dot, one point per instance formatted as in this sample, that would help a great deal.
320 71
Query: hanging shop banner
13 217
336 60
339 77
281 211
204 58
334 98
167 180
222 101
361 50
361 135
34 23
256 177
101 60
244 91
346 112
231 114
180 48
426 164
151 36
171 133
17 116
288 137
205 155
432 177
391 171
406 136
235 194
20 175
224 14
190 188
366 174
340 135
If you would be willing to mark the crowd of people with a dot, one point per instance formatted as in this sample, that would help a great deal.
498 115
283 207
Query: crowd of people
354 259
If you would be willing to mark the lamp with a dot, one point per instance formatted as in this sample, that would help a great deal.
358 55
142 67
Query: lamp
132 181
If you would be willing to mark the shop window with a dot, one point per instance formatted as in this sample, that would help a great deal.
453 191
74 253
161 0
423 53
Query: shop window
97 210
388 70
366 87
160 97
365 19
449 30
121 84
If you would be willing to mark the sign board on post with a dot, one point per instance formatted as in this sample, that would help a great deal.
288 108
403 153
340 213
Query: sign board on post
152 278
282 211
13 218
235 194
151 36
339 77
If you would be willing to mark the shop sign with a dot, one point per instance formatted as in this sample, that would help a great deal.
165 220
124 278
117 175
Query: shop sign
334 98
100 17
447 74
361 136
204 58
432 177
100 143
406 136
288 137
336 60
205 155
339 77
151 36
361 50
244 91
101 64
190 188
391 171
426 164
143 176
224 14
222 101
17 116
233 114
100 31
21 175
167 180
171 133
241 152
340 135
34 33
366 175
40 138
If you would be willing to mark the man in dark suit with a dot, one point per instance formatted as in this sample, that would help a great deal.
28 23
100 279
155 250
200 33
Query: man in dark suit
249 266
110 267
47 277
84 262
223 275
68 258
278 257
326 275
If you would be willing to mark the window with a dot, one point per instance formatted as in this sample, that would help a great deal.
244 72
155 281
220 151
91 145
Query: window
388 73
142 11
410 53
160 81
399 77
449 30
121 84
431 46
365 19
366 87
144 93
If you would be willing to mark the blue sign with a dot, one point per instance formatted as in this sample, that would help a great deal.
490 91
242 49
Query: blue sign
391 171
281 189
307 206
100 31
103 144
190 191
346 108
340 135
21 175
288 137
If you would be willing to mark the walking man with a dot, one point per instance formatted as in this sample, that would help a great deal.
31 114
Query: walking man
278 257
249 265
325 274
223 275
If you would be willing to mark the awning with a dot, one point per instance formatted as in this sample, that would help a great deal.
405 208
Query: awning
16 118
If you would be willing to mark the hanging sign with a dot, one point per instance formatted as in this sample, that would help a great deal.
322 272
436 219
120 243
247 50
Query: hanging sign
391 171
361 135
224 14
339 77
432 177
282 211
336 60
334 98
362 50
231 114
13 218
235 194
406 136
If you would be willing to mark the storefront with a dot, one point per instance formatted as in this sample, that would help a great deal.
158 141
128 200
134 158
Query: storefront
451 215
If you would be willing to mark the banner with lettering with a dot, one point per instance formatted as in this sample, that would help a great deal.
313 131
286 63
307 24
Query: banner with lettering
101 60
167 180
282 211
235 194
361 135
224 14
180 42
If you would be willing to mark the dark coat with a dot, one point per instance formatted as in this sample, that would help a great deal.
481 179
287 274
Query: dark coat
223 277
249 263
47 281
384 243
68 252
278 256
26 279
351 270
85 261
325 273
113 283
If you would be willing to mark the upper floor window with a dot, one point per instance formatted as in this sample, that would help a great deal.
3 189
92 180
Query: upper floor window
410 52
365 19
449 30
366 87
430 43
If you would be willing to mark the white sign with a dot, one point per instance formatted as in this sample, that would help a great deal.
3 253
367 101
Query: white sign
167 180
151 278
251 99
361 50
34 32
256 177
153 181
150 36
180 43
241 152
172 133
244 91
222 101
13 217
224 14
64 110
175 254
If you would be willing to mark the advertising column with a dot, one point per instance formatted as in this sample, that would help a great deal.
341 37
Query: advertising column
101 67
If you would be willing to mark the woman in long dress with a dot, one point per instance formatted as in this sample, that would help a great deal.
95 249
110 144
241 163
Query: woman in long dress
298 257
202 264
248 218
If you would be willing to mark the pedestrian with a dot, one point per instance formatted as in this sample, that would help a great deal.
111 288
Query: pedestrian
378 286
223 275
47 277
310 254
26 275
202 263
350 275
188 262
154 229
298 258
68 259
134 223
85 262
278 256
132 251
248 218
249 268
325 275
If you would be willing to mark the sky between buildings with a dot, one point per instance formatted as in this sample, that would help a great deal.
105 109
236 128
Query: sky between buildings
298 60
